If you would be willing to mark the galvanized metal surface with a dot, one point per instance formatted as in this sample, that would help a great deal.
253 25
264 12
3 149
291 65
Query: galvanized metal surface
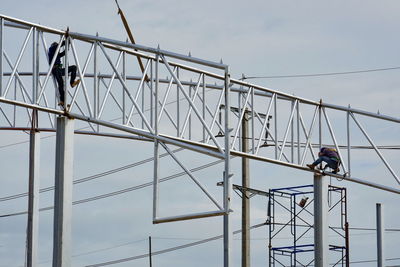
191 118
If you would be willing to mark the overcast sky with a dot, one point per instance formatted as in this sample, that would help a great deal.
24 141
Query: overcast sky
255 38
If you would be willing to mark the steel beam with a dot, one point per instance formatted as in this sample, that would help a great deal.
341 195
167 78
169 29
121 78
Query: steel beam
63 192
33 198
1 55
321 251
156 152
227 177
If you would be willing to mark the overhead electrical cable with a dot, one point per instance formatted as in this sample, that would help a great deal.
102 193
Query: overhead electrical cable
317 74
170 249
125 190
91 177
185 246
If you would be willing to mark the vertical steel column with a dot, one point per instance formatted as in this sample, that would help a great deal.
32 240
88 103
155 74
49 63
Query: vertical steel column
292 133
63 192
15 107
123 91
245 193
320 124
380 235
298 134
204 104
321 247
178 111
276 126
252 122
346 228
348 143
35 64
190 113
227 177
66 71
33 197
95 83
1 55
156 150
151 89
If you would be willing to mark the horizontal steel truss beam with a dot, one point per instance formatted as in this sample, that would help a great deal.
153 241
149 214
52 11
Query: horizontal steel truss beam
140 138
131 49
248 91
195 146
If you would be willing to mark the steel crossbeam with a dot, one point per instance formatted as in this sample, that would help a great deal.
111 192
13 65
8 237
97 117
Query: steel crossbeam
196 97
294 146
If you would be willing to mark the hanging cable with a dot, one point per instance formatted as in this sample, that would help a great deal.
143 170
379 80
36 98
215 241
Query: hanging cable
129 189
170 249
317 74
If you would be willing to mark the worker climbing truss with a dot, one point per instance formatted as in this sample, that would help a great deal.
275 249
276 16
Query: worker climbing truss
173 100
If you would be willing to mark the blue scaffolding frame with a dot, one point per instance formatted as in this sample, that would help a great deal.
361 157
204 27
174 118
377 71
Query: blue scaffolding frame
295 253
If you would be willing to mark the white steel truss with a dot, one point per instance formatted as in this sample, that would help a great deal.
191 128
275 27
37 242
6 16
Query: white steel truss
176 100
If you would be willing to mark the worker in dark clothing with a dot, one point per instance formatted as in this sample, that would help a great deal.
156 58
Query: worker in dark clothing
328 155
58 71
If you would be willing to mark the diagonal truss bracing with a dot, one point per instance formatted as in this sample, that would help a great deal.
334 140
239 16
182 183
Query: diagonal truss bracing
184 101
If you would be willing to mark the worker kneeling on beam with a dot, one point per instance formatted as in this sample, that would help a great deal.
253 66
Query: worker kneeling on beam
330 156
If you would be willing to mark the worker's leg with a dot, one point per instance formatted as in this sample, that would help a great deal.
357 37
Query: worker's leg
58 73
331 163
72 71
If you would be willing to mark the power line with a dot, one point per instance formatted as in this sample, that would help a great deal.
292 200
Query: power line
318 74
170 177
169 249
366 261
91 177
125 190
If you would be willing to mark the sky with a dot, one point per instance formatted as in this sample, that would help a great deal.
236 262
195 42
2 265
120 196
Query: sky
255 38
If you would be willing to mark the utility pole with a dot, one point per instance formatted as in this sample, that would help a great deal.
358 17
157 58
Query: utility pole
379 235
150 261
245 194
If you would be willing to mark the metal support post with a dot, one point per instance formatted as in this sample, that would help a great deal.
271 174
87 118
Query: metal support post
35 64
123 91
348 143
1 55
245 194
156 150
276 126
204 104
321 208
63 192
292 132
379 235
227 177
178 110
320 125
33 196
66 87
96 83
